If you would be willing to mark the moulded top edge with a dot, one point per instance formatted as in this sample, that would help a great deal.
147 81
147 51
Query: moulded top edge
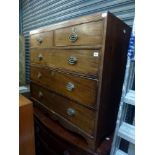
75 21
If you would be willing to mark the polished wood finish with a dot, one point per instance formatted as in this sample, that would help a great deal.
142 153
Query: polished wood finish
81 117
26 127
95 82
88 34
42 40
87 60
111 79
76 21
58 82
59 140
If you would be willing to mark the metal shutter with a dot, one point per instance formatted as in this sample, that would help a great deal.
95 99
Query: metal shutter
38 13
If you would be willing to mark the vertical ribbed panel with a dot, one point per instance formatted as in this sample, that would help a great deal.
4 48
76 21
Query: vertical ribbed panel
20 16
38 13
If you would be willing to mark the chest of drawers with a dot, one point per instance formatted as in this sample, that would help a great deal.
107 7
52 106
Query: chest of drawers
77 71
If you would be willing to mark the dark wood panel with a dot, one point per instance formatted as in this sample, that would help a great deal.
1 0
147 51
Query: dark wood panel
78 115
53 143
112 75
42 40
81 61
61 140
84 90
84 34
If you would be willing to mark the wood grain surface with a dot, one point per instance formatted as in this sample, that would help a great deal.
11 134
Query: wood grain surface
88 34
61 140
87 60
42 40
26 127
94 82
84 90
83 117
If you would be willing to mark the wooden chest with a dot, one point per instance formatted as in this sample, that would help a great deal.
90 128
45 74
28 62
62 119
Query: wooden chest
77 71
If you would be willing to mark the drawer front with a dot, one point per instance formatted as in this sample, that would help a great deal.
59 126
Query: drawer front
42 40
77 88
76 114
82 61
84 34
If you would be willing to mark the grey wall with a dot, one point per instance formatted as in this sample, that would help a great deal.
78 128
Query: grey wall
38 13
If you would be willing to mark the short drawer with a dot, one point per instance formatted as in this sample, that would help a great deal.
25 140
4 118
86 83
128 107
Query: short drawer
80 116
82 61
76 88
84 34
42 40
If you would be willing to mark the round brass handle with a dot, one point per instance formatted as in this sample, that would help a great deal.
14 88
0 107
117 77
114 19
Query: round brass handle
71 111
73 37
40 57
40 94
72 60
40 40
70 86
39 75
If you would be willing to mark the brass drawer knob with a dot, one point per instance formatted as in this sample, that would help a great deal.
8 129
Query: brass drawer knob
39 40
40 94
72 60
70 86
39 75
73 37
71 111
40 57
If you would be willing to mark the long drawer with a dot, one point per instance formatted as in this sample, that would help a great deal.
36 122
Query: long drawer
83 34
82 61
80 116
76 88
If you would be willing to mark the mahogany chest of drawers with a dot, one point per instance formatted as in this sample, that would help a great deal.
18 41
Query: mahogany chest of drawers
77 71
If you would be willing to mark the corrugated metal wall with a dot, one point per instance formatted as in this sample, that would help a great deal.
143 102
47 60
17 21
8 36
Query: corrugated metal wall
38 13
